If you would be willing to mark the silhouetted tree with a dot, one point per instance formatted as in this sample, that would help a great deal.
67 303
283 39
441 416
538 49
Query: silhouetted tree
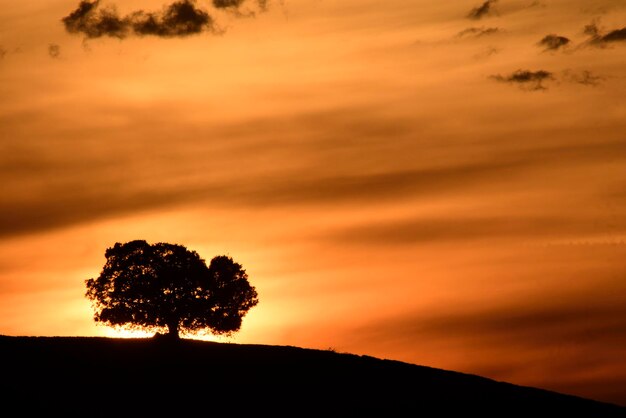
163 285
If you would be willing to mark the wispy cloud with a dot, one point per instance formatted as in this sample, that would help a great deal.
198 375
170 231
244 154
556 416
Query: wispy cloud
478 32
534 340
483 10
107 196
54 50
534 80
487 52
225 4
616 35
554 42
542 324
478 228
584 77
529 80
61 190
600 37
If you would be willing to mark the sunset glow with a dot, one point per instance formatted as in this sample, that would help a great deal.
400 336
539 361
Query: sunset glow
429 182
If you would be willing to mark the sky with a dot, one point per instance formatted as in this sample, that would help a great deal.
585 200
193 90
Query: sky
440 183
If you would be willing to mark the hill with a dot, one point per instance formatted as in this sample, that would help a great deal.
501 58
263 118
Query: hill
93 376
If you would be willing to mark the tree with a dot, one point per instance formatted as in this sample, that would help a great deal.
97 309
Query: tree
163 285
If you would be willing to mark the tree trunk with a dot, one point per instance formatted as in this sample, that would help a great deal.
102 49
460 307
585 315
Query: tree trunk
172 329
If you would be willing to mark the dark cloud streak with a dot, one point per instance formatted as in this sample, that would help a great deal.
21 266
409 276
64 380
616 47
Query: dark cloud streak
617 35
576 344
541 325
450 229
236 7
46 189
533 80
530 80
554 42
478 32
598 38
225 4
483 10
67 204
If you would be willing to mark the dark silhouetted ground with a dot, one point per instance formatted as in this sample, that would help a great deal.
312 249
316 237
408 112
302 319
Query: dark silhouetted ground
93 377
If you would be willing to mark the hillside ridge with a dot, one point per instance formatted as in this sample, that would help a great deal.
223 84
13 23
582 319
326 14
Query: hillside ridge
72 375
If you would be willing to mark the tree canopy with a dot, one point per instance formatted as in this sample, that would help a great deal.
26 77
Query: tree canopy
166 286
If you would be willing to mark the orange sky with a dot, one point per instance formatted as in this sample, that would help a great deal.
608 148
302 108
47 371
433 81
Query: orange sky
390 183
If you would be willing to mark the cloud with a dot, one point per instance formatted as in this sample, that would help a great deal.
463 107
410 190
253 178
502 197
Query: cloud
566 343
616 35
83 186
537 3
584 77
67 202
178 19
592 30
533 80
79 19
487 52
226 4
553 42
483 10
93 22
528 325
478 32
108 196
598 38
54 51
236 7
223 4
530 80
380 186
458 229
